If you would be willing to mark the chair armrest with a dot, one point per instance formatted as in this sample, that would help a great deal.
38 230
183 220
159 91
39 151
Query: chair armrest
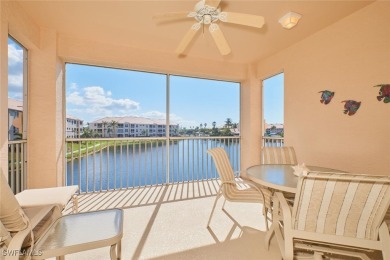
14 247
281 205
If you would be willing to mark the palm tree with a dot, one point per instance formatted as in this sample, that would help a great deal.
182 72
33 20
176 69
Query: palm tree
201 125
104 123
87 133
205 124
109 130
228 122
114 124
214 124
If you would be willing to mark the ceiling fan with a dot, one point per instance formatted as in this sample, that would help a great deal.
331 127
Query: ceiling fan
207 12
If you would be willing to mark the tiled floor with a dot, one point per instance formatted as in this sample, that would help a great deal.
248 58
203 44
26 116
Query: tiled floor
169 222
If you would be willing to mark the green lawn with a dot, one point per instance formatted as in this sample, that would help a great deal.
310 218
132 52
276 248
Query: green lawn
81 147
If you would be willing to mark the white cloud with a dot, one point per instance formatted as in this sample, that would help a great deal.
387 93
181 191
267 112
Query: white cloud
154 114
96 95
175 119
15 70
15 80
15 56
75 98
73 86
16 95
95 102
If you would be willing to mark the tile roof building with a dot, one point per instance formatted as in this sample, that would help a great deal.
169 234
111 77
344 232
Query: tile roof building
15 119
131 126
74 127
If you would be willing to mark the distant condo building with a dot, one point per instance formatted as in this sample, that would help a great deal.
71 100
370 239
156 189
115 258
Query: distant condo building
131 126
15 119
74 127
274 129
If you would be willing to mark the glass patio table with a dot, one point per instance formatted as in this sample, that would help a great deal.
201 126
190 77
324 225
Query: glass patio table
79 232
279 177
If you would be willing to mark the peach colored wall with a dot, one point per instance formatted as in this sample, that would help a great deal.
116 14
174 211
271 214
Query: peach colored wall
45 114
250 122
3 96
45 111
349 57
119 56
60 121
20 26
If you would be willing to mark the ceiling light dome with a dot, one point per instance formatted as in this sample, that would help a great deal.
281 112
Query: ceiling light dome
289 20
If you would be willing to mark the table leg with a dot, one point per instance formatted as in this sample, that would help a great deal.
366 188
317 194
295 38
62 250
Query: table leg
119 249
113 252
61 257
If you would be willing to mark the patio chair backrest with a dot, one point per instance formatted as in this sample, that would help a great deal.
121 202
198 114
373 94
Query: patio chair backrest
279 155
348 205
222 163
5 236
11 214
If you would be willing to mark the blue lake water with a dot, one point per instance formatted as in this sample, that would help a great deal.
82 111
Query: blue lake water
146 164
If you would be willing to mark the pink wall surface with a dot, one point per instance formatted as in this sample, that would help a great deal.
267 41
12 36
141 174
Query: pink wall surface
349 58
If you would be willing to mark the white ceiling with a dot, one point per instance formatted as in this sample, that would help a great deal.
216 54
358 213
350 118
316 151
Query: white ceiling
130 23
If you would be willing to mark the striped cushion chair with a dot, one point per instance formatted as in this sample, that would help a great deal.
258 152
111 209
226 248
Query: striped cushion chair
237 191
279 155
335 213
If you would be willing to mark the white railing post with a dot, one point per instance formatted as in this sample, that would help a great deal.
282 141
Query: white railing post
17 170
273 141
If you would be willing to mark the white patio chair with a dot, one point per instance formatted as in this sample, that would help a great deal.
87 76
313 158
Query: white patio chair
229 186
339 214
20 228
62 196
279 155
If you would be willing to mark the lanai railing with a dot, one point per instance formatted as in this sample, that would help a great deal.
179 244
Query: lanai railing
17 170
273 141
120 163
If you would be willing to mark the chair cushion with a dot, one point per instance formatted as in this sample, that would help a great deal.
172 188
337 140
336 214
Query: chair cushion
38 197
11 214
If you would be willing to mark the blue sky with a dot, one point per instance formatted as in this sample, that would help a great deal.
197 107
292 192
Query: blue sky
15 70
96 92
273 99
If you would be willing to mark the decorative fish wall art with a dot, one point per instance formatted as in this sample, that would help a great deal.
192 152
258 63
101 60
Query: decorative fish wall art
351 106
326 96
384 93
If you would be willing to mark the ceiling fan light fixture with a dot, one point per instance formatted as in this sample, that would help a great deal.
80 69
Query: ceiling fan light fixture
289 20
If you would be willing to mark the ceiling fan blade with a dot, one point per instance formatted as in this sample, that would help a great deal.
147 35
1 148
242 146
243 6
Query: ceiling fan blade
187 38
219 39
171 16
242 19
212 3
